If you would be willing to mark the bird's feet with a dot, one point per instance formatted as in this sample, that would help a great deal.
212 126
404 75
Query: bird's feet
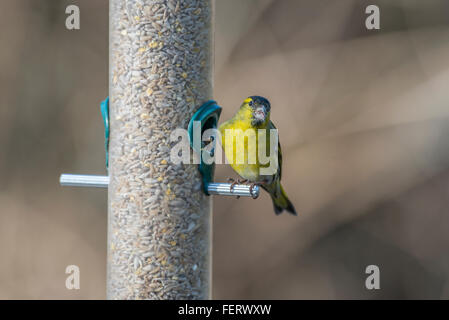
235 182
252 185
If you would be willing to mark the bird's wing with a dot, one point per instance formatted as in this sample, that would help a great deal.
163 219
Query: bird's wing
272 126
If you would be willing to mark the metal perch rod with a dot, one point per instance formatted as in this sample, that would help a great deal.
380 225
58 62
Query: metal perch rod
96 181
83 180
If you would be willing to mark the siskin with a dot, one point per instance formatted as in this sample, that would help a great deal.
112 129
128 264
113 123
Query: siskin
254 114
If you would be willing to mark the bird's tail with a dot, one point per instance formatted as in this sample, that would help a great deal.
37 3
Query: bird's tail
281 202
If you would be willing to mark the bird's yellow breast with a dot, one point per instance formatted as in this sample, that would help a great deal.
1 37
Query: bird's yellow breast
241 145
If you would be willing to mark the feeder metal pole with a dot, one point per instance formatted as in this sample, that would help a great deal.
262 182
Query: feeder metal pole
159 219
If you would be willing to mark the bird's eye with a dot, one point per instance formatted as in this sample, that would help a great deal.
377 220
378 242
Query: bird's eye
251 103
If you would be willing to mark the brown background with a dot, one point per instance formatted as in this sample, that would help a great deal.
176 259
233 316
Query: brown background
364 124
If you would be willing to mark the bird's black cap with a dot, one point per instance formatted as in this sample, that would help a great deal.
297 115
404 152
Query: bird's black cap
261 100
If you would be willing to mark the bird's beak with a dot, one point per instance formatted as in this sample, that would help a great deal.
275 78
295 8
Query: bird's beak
259 113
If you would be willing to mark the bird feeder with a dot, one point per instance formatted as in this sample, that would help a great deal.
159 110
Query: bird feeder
159 213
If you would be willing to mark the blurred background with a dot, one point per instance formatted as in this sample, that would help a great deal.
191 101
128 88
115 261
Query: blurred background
363 118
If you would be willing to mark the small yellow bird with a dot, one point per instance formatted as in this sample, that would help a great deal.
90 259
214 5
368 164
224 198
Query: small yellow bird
254 114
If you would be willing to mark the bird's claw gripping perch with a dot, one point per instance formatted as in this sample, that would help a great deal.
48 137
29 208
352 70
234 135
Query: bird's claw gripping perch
233 182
